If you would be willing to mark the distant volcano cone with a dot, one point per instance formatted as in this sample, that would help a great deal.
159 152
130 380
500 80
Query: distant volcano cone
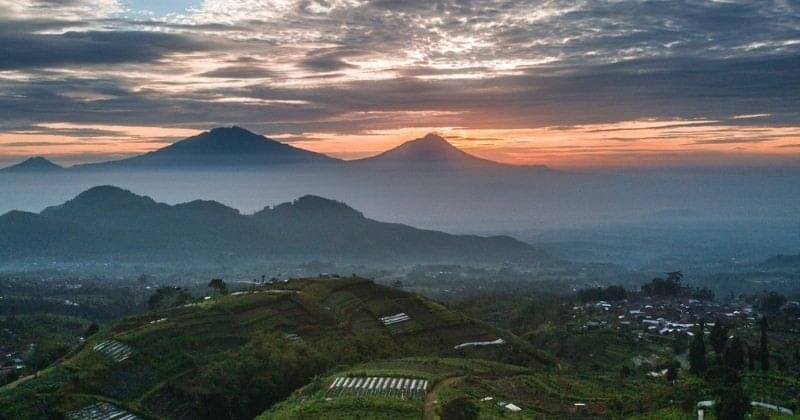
431 151
34 164
220 147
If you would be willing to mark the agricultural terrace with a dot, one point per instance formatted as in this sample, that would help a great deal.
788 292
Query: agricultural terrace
230 351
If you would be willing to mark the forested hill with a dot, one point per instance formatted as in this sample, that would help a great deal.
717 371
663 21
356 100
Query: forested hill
108 221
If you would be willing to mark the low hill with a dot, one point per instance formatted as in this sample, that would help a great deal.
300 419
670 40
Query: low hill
223 147
782 262
234 356
36 164
108 222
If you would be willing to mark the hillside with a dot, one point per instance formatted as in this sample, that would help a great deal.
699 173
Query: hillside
234 356
108 221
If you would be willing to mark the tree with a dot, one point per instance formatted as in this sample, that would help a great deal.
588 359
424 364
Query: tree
45 353
672 372
771 303
92 330
168 297
751 358
763 353
219 286
659 287
460 408
675 276
57 415
12 376
734 355
703 294
697 352
733 404
718 338
680 344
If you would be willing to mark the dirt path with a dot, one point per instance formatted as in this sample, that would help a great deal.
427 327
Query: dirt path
14 384
429 407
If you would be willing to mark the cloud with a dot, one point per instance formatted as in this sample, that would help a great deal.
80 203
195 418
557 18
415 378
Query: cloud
59 9
239 72
30 51
304 67
329 60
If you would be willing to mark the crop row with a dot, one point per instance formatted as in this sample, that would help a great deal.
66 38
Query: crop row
114 349
378 386
101 411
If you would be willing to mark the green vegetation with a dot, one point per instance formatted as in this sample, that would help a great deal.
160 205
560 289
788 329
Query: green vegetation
278 351
235 355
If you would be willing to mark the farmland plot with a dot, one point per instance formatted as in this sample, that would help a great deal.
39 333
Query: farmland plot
402 388
397 323
114 349
101 411
480 343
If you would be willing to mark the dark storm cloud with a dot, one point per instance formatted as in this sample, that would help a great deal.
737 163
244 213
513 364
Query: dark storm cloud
329 60
563 63
239 72
31 51
686 88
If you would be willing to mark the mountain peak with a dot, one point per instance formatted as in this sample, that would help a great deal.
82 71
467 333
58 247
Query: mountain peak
221 147
100 202
33 164
106 192
233 128
433 151
310 205
434 137
232 133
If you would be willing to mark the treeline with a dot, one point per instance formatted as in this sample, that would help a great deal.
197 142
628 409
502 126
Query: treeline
733 356
610 293
671 286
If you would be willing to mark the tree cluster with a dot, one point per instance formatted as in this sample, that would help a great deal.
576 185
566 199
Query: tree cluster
610 293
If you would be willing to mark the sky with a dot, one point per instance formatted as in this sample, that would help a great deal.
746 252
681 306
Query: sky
569 84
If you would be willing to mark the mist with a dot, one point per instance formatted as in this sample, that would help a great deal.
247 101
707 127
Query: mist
653 211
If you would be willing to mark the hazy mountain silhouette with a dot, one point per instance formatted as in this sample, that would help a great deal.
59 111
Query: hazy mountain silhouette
782 262
432 152
108 221
32 165
231 148
220 147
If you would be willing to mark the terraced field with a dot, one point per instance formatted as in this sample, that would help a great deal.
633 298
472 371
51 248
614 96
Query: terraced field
159 365
332 398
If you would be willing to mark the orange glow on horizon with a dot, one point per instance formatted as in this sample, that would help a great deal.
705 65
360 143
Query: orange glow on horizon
623 144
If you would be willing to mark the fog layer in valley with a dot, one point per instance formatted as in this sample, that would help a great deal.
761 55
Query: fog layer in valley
536 205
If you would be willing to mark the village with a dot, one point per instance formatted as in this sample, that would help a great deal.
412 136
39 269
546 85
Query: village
658 317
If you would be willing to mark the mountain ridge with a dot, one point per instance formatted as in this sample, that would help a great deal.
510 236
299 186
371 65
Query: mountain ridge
238 148
110 221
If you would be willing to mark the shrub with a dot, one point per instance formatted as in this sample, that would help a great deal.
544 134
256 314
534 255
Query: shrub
460 408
